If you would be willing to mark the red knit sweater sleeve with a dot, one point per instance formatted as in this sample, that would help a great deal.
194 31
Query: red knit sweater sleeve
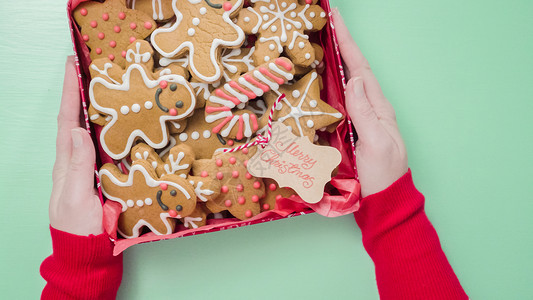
404 246
81 267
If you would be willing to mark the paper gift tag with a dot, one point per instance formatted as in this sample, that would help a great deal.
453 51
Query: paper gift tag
295 162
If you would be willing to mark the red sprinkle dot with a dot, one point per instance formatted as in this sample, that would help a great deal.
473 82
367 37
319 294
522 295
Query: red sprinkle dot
239 188
241 200
85 37
132 39
173 112
257 185
248 176
98 51
272 187
148 25
111 57
278 197
227 6
163 84
266 206
133 25
308 1
83 12
255 198
245 163
220 175
116 28
248 213
232 160
224 189
163 186
230 143
245 150
105 17
172 213
204 174
112 44
219 162
121 15
123 53
101 35
235 174
93 24
227 203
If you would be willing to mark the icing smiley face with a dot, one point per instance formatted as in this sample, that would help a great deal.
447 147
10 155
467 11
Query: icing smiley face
174 201
167 99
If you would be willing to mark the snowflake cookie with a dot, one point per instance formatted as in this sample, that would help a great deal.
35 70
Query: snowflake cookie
108 28
140 106
203 29
146 199
302 110
281 26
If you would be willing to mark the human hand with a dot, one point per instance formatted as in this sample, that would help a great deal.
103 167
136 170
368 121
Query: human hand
74 205
380 150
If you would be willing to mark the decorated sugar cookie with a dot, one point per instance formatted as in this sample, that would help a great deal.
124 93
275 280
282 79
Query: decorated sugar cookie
194 33
140 106
225 107
302 109
146 200
281 25
160 10
240 192
108 28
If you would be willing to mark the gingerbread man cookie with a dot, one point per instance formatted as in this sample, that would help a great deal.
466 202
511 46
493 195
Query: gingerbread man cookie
146 200
302 110
240 192
224 109
108 28
193 32
281 26
160 10
140 106
274 193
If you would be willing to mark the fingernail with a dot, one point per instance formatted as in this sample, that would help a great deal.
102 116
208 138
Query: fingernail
358 88
77 140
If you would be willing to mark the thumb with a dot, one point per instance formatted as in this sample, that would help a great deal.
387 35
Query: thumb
360 110
80 176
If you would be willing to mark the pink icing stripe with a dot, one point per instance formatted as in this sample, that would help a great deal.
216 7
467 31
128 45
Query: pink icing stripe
285 64
219 126
221 94
253 118
248 94
212 109
240 131
272 76
252 80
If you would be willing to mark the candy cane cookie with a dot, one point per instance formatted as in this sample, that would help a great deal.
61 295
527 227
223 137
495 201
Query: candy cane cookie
225 107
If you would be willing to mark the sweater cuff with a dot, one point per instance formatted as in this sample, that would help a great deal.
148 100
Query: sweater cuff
81 250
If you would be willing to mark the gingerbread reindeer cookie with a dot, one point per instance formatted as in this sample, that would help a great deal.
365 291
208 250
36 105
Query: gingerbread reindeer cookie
140 106
194 33
146 200
281 25
108 28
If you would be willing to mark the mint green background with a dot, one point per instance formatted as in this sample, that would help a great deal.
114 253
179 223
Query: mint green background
459 74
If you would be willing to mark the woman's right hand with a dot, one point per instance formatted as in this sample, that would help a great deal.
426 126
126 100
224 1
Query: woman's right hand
380 150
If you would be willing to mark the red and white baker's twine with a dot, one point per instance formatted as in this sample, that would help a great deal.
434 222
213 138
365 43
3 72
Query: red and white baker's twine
261 140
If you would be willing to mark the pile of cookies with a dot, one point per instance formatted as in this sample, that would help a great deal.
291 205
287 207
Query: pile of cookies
176 82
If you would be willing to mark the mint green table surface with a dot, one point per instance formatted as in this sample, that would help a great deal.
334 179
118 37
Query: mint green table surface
459 74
